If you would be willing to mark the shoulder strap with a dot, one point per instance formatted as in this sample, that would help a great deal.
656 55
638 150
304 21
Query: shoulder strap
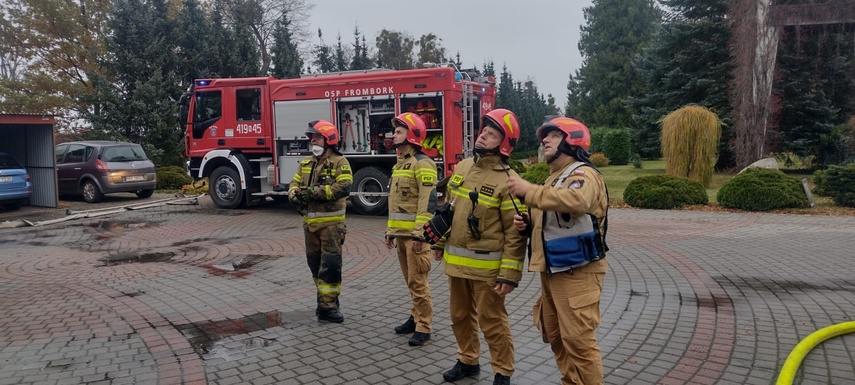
564 175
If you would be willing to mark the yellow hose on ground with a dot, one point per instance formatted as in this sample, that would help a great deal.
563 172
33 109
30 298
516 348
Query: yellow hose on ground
791 365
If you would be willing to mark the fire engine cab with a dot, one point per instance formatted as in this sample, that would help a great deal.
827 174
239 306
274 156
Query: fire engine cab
248 135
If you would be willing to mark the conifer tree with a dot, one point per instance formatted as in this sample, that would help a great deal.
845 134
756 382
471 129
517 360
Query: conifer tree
687 62
361 58
614 32
323 61
285 56
342 61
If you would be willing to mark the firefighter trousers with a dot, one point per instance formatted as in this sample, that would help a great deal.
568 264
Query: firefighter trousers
567 315
472 304
323 255
416 267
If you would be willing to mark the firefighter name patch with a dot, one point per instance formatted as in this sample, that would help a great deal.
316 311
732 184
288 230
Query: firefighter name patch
427 180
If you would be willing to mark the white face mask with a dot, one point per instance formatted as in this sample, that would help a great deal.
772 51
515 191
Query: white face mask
317 150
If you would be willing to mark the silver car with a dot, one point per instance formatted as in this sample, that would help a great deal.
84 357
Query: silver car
96 167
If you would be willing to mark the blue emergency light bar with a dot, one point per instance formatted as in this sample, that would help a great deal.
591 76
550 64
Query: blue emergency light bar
202 82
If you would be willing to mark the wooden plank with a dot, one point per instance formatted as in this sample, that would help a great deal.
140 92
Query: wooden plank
812 14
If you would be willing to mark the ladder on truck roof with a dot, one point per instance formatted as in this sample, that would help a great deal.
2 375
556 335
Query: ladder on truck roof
468 106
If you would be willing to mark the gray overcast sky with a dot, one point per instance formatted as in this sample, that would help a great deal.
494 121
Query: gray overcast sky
536 39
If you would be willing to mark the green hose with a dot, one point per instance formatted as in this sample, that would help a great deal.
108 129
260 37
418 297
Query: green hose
791 365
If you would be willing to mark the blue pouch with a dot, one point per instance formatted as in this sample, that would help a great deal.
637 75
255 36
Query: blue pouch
569 252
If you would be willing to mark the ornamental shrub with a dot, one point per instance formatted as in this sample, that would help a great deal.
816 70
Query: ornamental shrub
762 189
839 183
599 160
820 186
617 146
172 178
635 159
664 192
537 173
690 139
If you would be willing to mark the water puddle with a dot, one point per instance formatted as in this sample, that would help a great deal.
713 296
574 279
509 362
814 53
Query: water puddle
121 225
135 258
211 339
236 267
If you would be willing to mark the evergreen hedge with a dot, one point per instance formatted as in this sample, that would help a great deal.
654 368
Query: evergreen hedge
172 178
762 189
598 138
617 146
664 192
537 173
838 182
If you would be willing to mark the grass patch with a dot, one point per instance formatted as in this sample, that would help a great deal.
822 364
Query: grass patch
618 177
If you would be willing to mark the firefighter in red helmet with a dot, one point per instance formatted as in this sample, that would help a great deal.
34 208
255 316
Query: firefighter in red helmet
323 183
578 206
412 201
483 253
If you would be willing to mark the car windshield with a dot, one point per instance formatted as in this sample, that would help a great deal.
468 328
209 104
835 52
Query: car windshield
8 162
127 153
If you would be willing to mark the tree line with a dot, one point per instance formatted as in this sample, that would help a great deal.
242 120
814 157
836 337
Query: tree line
642 61
115 68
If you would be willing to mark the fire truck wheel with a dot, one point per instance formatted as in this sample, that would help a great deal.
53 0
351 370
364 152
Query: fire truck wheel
225 188
368 181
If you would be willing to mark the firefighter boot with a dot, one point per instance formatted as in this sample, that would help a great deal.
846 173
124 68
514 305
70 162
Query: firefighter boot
461 370
406 327
419 339
331 315
501 380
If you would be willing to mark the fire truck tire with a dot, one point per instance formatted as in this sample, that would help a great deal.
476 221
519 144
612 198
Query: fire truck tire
225 188
370 180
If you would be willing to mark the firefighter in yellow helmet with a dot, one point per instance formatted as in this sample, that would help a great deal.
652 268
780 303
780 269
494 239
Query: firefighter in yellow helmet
323 183
412 200
483 253
568 226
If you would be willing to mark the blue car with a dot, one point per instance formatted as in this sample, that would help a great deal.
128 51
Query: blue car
15 185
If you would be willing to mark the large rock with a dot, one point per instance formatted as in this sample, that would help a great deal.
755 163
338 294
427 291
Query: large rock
763 163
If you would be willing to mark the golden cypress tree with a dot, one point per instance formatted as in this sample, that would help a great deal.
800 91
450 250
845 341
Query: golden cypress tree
690 138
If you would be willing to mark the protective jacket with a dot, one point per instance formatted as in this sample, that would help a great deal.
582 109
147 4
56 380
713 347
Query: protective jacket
329 179
499 254
583 193
412 195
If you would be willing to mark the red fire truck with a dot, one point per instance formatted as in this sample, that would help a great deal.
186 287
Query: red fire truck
248 135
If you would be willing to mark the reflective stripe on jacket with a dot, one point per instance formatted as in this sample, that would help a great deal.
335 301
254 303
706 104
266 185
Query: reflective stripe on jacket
500 252
330 179
412 194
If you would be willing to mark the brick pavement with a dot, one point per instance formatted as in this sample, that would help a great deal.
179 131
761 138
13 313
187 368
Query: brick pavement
135 298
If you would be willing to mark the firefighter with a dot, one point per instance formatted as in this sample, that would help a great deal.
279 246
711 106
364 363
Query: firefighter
322 184
483 253
412 200
569 209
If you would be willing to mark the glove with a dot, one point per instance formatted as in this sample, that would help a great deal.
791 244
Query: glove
439 225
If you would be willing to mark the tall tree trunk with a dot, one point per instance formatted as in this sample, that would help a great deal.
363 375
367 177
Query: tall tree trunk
754 48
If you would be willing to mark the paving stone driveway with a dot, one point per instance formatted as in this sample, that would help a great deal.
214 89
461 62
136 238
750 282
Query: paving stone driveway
194 294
